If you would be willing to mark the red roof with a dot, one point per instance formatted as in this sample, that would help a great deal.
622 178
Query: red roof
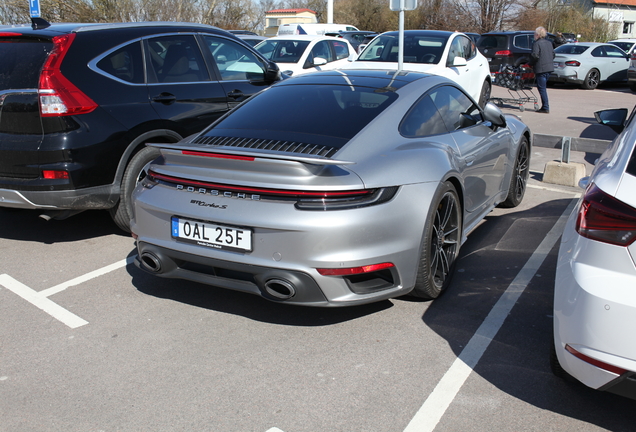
291 11
617 2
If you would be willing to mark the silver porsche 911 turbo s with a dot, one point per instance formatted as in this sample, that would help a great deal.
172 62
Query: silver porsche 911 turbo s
330 189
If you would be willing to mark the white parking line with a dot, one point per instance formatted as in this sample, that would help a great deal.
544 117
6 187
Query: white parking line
33 297
40 298
431 412
88 276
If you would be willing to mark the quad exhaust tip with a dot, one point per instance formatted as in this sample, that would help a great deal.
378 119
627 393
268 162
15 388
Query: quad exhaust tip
280 289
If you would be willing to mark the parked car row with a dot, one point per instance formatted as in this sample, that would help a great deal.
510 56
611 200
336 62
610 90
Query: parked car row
170 127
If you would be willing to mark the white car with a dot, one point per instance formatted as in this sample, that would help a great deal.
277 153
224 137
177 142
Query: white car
301 54
595 286
449 54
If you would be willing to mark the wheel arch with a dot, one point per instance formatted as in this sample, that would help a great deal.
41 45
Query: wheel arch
158 136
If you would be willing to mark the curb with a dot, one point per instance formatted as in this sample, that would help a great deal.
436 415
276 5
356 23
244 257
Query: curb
586 145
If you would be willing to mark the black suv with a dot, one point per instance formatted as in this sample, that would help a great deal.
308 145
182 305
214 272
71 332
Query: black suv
79 102
507 48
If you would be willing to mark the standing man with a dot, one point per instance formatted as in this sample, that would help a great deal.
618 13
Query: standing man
543 63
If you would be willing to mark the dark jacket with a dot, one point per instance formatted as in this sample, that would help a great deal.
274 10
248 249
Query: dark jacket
542 56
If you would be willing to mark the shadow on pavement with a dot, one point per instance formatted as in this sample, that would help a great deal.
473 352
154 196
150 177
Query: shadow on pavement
517 360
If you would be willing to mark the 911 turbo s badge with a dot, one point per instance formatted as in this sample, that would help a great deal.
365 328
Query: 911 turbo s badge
204 204
218 193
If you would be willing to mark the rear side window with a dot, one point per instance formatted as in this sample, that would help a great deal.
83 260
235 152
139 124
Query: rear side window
423 120
176 59
126 64
21 62
341 49
523 41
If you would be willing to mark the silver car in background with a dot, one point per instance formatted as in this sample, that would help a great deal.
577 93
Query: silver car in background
595 287
588 64
333 188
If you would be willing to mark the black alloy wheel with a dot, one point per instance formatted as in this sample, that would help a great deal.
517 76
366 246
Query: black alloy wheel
440 245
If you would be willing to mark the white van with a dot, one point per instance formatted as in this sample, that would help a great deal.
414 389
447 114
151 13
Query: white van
312 29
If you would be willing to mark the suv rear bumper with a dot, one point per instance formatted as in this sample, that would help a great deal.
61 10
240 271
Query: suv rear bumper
101 197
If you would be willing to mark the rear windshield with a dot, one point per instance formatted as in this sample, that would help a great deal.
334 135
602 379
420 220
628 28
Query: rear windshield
493 41
571 49
282 51
418 48
21 62
625 46
327 115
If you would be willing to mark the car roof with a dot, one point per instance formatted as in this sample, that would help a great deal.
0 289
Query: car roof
389 79
301 37
64 28
421 32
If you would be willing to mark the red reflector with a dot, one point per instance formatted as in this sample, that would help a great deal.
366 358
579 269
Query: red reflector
594 362
504 53
54 174
354 270
606 219
572 63
217 155
135 236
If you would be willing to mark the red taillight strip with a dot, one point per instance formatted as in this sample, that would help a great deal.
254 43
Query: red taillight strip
263 191
608 367
217 155
354 270
9 34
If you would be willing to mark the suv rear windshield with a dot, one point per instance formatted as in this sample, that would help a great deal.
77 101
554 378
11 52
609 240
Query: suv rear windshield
493 41
21 63
326 115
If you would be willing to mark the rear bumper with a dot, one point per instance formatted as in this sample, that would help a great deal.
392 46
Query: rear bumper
595 312
101 197
565 78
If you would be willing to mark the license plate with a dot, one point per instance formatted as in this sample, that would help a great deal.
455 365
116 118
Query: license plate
211 235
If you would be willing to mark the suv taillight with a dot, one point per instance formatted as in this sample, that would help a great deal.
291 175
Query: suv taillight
504 53
58 96
606 219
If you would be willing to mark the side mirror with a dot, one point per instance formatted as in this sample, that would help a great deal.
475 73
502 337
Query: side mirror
272 73
614 118
319 61
459 61
493 114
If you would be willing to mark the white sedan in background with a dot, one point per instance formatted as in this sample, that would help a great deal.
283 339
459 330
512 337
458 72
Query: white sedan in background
595 287
449 54
299 54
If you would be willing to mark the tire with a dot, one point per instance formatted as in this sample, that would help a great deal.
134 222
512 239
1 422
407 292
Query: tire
485 93
519 178
136 170
632 85
440 244
592 79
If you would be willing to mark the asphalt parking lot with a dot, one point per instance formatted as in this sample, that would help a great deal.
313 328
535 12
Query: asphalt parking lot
90 343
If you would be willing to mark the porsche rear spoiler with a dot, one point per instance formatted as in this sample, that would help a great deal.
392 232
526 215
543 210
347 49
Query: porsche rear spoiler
211 151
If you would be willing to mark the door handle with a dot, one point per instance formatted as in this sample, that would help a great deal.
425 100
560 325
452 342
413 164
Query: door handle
236 94
165 98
